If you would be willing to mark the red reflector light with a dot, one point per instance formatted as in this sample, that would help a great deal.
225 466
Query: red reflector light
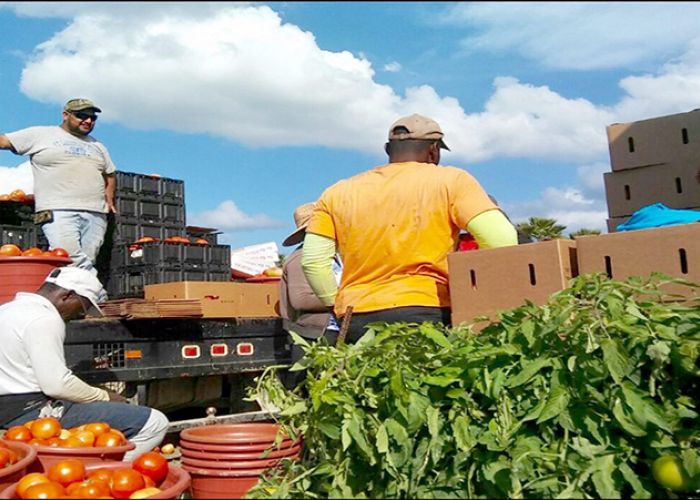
245 349
219 350
190 351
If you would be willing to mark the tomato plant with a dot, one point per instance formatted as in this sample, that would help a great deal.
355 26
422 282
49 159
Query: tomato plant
151 464
575 398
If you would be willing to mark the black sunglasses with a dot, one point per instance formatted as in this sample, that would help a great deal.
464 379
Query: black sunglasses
84 116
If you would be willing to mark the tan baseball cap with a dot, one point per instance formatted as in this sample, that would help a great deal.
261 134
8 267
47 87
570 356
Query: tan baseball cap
80 104
419 127
302 217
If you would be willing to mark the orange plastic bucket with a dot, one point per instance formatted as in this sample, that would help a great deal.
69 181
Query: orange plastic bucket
13 473
25 274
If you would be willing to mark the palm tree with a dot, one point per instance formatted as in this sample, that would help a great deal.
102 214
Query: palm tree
583 232
540 228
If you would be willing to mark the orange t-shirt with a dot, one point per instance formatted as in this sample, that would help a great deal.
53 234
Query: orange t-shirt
394 226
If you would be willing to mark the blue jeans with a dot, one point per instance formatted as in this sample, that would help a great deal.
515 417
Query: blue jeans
80 233
127 418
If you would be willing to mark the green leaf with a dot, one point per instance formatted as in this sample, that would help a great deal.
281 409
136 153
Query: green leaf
330 430
382 439
643 410
615 359
604 468
626 422
460 430
557 402
631 477
295 409
358 436
529 370
431 332
433 418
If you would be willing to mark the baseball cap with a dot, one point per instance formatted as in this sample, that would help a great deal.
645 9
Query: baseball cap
79 280
80 104
419 127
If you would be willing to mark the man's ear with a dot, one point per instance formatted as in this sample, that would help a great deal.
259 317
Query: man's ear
386 150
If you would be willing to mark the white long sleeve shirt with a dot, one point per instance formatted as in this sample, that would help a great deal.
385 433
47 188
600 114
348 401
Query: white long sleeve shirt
31 352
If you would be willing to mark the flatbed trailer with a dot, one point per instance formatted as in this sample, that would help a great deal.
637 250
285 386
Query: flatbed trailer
177 364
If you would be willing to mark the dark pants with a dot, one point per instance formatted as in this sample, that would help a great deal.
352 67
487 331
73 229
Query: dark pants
292 379
412 314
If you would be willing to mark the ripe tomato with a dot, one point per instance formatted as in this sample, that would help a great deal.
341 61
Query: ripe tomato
10 250
71 442
4 457
18 195
29 480
86 437
151 464
201 241
97 428
38 442
44 428
92 489
49 489
109 439
102 474
146 492
18 433
67 471
124 482
32 252
60 252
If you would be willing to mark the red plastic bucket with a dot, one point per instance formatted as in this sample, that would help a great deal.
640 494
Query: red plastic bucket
26 456
213 483
240 455
235 448
25 274
227 434
49 455
176 482
233 464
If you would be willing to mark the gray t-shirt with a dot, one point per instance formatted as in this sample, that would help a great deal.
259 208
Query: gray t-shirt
67 169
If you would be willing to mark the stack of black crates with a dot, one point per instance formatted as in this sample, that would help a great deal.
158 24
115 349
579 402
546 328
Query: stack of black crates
151 206
17 225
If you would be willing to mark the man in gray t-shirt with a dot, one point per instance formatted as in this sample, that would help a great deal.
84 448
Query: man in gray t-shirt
74 181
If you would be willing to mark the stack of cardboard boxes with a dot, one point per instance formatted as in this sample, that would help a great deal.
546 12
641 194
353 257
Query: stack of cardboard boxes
653 161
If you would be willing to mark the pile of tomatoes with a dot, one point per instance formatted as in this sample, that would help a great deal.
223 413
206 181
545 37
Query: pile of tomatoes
7 456
17 195
11 250
170 239
69 478
48 431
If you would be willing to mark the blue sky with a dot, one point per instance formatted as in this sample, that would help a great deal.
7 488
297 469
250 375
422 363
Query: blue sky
259 107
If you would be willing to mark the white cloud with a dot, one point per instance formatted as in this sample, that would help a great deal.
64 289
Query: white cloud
393 67
580 35
228 217
19 177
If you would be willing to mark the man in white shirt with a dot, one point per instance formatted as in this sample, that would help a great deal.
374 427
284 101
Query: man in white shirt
34 378
74 180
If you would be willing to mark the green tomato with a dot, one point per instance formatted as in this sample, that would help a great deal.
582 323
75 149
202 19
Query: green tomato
669 473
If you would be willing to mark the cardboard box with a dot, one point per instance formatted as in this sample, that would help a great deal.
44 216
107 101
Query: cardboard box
672 184
666 139
672 250
485 281
223 299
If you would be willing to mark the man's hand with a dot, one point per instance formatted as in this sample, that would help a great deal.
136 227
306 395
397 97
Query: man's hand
6 144
110 206
117 398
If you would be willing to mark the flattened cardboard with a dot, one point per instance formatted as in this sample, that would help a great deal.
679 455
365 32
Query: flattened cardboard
672 250
672 184
485 281
666 139
223 299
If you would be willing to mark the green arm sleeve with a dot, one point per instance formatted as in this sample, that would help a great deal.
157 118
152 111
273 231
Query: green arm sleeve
317 264
492 229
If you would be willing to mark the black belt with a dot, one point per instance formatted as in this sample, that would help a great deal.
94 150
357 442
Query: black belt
16 405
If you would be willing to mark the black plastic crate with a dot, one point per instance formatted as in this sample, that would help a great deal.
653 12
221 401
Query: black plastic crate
173 189
128 229
129 183
22 236
15 213
172 213
129 282
126 182
219 257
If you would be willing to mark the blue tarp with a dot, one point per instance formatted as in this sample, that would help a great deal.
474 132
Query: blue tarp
658 215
